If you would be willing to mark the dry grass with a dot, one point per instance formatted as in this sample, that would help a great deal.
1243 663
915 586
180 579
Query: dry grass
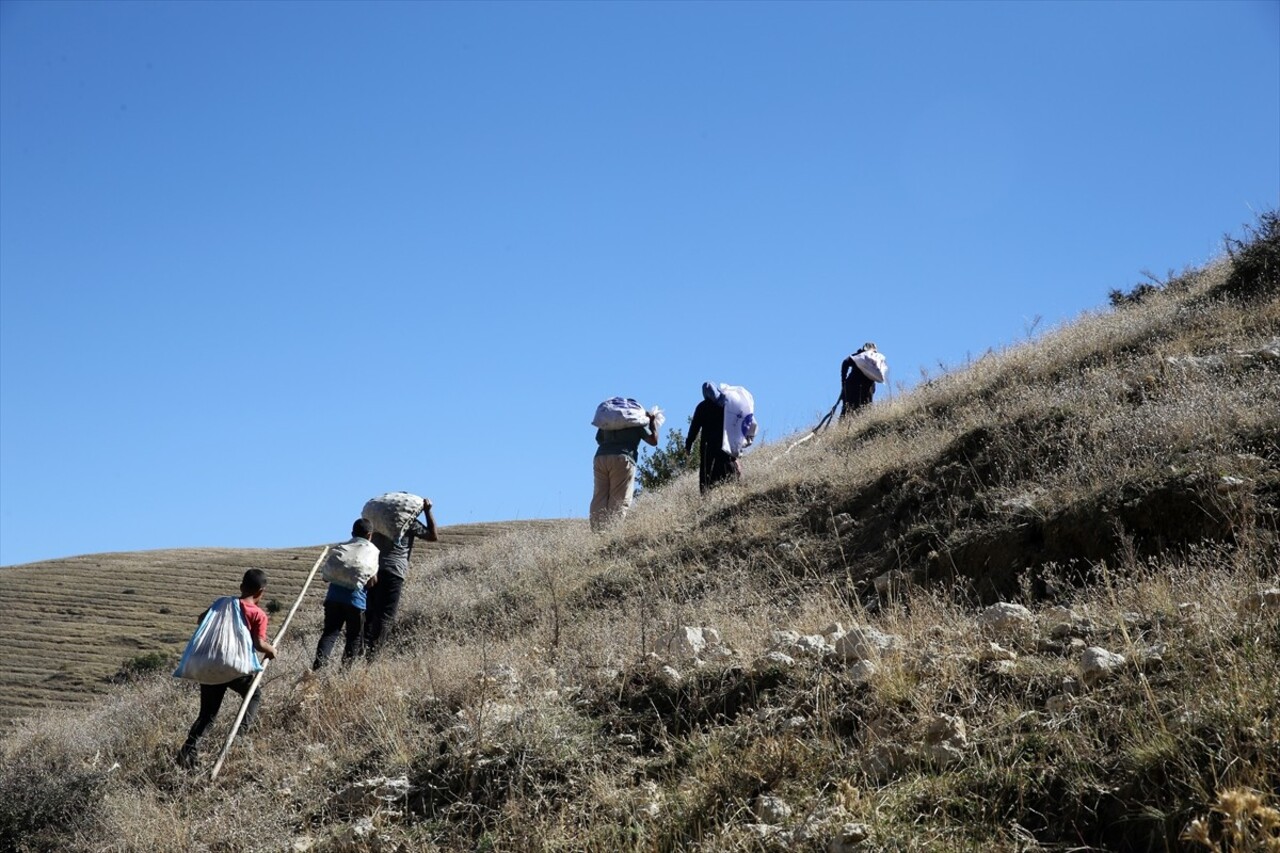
1083 470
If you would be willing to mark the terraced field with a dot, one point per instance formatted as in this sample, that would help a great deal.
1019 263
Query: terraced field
67 626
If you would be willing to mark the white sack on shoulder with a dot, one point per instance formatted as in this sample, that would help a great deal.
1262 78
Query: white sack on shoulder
872 365
739 418
391 513
620 413
221 649
351 564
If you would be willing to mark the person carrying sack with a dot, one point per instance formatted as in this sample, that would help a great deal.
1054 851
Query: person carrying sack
221 656
350 569
715 464
859 374
618 437
395 548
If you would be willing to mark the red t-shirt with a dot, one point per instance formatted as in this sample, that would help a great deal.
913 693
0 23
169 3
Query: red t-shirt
257 619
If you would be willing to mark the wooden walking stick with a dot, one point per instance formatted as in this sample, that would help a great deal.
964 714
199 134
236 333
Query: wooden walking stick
826 420
253 688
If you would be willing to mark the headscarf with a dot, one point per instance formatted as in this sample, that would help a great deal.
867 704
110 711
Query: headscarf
712 394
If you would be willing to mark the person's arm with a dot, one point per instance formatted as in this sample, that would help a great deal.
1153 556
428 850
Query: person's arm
845 367
695 425
258 631
426 531
651 438
264 648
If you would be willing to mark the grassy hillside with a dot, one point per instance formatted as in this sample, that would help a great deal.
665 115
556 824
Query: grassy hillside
1032 605
86 621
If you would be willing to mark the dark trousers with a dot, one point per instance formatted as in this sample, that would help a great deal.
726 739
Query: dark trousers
383 602
336 617
211 701
715 465
858 391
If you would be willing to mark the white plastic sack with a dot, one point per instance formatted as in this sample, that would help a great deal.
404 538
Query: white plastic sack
620 413
221 649
351 564
739 419
872 365
391 513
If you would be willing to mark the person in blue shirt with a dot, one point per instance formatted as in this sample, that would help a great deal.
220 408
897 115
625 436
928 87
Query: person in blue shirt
344 608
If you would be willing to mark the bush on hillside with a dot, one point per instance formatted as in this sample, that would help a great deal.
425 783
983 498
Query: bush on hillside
45 802
663 464
1255 260
142 665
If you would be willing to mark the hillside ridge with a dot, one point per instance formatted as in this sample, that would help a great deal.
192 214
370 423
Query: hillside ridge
1034 604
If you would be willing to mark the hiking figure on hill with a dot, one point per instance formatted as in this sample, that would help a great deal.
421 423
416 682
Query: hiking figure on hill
619 432
393 566
859 374
230 631
715 464
351 569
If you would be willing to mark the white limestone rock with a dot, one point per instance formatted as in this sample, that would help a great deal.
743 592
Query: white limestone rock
863 642
1006 618
682 644
849 837
863 671
1097 664
995 651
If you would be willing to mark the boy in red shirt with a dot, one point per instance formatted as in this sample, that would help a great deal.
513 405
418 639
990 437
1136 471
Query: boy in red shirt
251 590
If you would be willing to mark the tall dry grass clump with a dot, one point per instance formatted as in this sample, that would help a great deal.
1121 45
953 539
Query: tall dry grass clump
1118 478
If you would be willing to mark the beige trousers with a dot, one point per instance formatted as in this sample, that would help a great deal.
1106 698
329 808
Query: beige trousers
615 484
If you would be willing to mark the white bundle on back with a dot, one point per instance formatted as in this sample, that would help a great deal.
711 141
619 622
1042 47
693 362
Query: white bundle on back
739 419
620 413
351 564
391 513
221 649
872 365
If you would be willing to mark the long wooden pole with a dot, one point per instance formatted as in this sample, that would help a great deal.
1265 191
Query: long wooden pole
816 429
257 679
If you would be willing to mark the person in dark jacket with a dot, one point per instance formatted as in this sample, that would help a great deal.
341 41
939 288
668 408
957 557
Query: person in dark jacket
856 388
393 565
715 464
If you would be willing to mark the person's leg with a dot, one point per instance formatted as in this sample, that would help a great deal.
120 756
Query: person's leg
354 618
210 702
388 588
241 685
600 496
333 622
622 485
373 613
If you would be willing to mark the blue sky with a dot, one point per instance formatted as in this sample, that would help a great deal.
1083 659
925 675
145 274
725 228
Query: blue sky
259 262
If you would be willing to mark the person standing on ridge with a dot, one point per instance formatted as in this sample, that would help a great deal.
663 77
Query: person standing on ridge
859 374
615 470
383 599
714 464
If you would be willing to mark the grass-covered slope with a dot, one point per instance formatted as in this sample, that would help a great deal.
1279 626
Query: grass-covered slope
1118 478
76 625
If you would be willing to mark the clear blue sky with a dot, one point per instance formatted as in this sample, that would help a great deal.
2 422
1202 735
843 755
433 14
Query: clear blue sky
262 261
